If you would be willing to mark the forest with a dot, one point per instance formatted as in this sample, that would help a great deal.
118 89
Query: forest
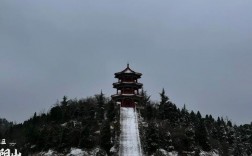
93 123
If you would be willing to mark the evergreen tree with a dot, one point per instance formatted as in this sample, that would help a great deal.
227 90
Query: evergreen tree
56 114
105 141
91 113
190 137
163 102
165 140
111 111
230 134
64 101
198 115
193 117
222 133
32 133
238 149
149 112
146 98
145 102
87 139
100 106
249 151
201 136
1 135
184 116
152 138
172 113
209 123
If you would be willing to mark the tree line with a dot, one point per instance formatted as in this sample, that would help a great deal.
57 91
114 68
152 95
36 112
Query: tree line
93 122
84 123
170 128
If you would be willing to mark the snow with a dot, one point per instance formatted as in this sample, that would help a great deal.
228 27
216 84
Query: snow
64 124
164 152
129 138
113 149
49 153
173 153
33 146
211 153
77 152
72 152
97 151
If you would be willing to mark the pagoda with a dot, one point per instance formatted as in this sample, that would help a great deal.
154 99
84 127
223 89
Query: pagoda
127 88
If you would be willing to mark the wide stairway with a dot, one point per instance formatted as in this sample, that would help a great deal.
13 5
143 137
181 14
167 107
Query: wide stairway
129 137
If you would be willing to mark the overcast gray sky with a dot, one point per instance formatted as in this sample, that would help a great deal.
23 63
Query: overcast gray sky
199 51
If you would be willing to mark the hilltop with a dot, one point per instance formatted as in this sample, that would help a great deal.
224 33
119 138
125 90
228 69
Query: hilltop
91 126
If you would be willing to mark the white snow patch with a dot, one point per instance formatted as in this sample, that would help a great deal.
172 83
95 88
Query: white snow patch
48 153
173 153
97 151
164 152
64 124
113 149
97 132
73 152
211 153
33 146
77 152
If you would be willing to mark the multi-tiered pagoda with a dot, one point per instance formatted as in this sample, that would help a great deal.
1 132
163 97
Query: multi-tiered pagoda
127 88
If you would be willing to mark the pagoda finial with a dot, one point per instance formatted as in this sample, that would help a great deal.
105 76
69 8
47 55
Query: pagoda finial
128 65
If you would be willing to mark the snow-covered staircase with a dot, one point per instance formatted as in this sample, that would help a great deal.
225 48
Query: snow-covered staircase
129 137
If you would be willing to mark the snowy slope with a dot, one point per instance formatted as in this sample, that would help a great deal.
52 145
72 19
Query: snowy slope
129 137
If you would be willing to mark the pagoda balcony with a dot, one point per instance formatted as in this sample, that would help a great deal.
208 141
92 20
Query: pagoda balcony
127 84
129 94
123 96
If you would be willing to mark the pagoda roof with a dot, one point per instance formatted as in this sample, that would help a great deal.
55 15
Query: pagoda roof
127 70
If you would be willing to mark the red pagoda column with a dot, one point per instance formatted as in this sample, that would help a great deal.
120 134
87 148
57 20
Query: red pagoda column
127 87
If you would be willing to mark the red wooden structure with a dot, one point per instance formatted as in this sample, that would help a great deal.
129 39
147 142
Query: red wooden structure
127 87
